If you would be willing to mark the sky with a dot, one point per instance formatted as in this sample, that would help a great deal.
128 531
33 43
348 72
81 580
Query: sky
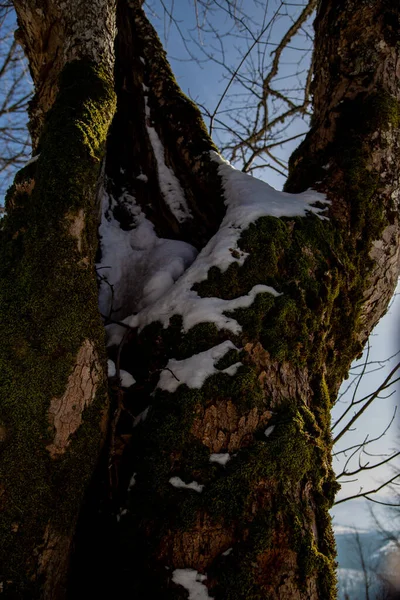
384 342
204 59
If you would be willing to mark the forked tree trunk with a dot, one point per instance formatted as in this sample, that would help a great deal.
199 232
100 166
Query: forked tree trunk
259 526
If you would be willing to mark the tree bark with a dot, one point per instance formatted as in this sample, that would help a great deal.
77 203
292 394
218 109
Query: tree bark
54 406
260 527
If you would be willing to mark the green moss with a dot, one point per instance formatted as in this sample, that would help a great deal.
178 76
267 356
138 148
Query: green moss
253 575
230 358
48 307
312 562
236 581
287 450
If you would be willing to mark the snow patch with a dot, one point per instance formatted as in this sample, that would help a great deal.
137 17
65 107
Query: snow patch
221 459
122 513
141 416
132 482
250 198
232 369
178 483
170 186
142 177
191 580
181 300
111 368
136 267
126 379
247 199
269 430
193 371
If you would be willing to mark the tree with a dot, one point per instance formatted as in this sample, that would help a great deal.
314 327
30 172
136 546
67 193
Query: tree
376 554
388 527
281 297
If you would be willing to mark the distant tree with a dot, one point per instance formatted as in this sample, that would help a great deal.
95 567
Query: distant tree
388 526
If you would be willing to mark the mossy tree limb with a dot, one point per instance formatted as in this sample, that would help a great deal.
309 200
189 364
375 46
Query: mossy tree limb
54 403
352 150
149 96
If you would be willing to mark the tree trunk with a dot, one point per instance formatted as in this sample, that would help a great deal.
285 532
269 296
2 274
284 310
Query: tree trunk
279 314
54 407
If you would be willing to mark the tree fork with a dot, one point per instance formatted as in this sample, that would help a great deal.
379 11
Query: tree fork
260 526
296 351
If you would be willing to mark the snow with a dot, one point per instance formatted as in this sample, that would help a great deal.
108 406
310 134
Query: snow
178 483
141 416
132 482
170 186
181 300
142 177
111 368
121 513
232 369
250 198
136 266
126 378
193 371
247 199
221 459
269 430
154 278
191 580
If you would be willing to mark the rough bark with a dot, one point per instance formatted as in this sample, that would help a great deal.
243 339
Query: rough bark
54 406
53 33
144 81
270 503
352 150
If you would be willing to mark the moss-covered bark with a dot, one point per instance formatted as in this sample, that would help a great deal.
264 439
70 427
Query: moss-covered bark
270 502
352 151
144 79
260 528
52 350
